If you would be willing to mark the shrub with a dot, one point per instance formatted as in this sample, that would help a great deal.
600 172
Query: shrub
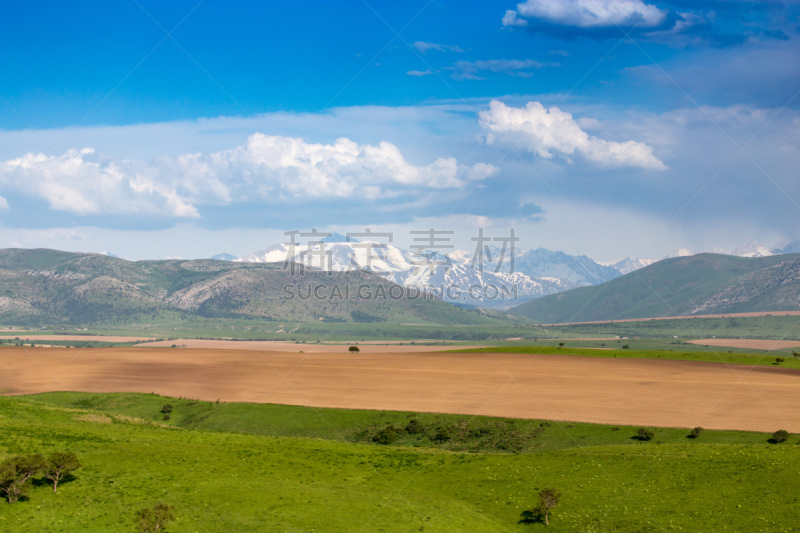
386 436
414 427
696 432
152 520
779 360
167 409
780 436
645 434
625 346
353 349
442 435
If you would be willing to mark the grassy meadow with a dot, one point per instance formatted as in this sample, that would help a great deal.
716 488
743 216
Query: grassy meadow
782 358
244 467
659 333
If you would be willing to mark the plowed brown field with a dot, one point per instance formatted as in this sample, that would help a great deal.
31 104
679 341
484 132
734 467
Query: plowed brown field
559 387
751 344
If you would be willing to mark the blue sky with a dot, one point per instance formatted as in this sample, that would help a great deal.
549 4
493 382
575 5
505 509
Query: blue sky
611 128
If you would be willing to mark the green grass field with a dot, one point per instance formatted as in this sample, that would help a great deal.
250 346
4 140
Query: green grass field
661 332
694 353
237 470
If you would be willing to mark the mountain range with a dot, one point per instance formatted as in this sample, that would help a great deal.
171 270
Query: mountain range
49 287
680 286
492 278
485 279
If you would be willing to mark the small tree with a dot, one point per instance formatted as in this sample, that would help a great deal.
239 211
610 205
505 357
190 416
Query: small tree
354 349
779 360
152 520
696 432
15 472
59 465
548 500
780 436
645 434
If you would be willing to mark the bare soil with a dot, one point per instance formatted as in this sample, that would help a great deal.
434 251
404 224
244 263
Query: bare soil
753 344
722 315
558 387
28 335
282 346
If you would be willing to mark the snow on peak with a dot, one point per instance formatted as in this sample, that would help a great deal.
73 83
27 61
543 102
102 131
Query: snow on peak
680 252
629 264
752 249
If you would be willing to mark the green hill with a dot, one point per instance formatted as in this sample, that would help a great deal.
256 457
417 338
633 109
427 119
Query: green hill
249 467
699 284
48 287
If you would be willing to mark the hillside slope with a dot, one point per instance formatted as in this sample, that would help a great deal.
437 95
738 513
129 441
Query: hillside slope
46 287
698 284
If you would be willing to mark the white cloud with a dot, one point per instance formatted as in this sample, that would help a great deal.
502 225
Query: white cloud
587 13
297 168
547 132
267 169
419 73
470 70
3 203
84 182
511 18
423 47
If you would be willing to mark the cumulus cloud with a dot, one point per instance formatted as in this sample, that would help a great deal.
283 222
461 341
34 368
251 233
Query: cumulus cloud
512 18
587 13
83 182
419 73
471 70
267 168
3 203
424 47
551 132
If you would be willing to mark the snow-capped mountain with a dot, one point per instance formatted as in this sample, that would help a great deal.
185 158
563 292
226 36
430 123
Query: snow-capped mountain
578 271
487 279
752 249
494 277
680 252
629 264
786 248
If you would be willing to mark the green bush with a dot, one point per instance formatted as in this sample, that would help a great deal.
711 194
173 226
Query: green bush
780 436
442 435
152 520
696 432
385 436
645 434
414 427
